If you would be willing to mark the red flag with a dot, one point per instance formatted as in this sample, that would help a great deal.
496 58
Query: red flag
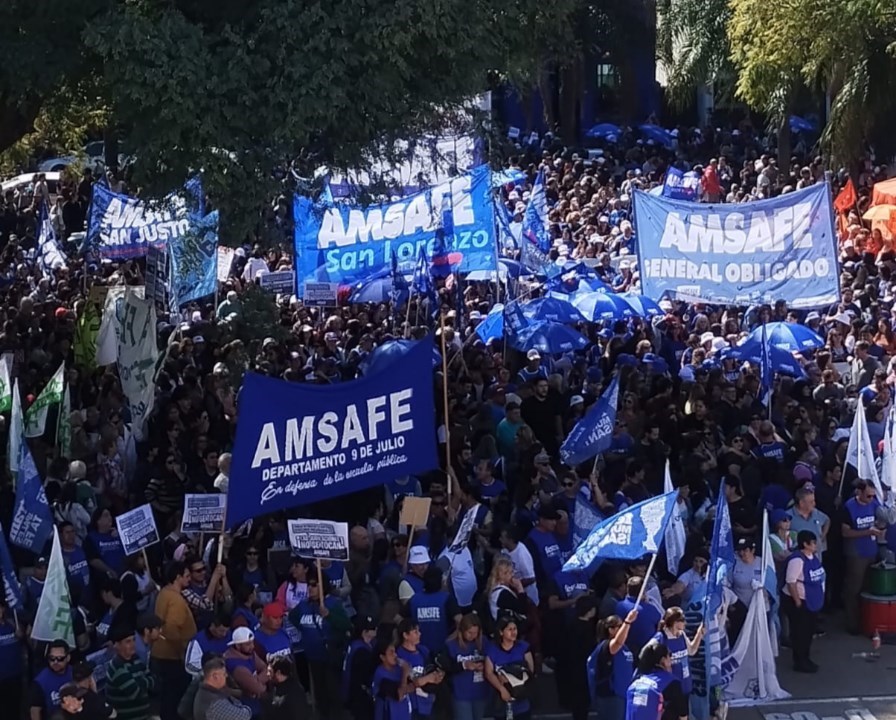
846 199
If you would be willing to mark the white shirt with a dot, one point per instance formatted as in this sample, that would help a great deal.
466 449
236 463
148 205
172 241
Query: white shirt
462 574
523 568
221 482
253 267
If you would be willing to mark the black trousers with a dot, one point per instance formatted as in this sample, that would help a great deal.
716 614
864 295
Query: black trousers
803 623
172 682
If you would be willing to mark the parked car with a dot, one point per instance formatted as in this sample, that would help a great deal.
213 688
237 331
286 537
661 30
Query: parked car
22 181
93 157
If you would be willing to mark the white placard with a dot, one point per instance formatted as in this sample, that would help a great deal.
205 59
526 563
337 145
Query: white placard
204 513
319 539
137 529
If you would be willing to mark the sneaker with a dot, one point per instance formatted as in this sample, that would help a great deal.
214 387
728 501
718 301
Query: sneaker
546 669
806 668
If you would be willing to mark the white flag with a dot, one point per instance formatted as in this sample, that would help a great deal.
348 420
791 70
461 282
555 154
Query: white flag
36 415
859 452
888 462
769 578
676 533
5 385
16 429
54 612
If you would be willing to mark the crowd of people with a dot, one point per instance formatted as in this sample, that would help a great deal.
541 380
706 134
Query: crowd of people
403 628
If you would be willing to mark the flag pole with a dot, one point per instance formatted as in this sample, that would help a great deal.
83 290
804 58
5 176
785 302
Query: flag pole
445 403
646 578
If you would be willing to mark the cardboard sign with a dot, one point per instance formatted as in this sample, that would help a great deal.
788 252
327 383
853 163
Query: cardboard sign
137 529
319 539
204 513
282 282
415 511
225 262
320 294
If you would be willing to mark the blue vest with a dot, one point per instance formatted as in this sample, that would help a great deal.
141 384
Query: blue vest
77 568
415 581
678 651
50 683
102 627
862 518
109 549
501 657
813 580
430 610
468 685
644 698
548 551
334 574
616 682
274 646
231 664
571 584
345 685
211 644
418 660
10 652
387 708
314 628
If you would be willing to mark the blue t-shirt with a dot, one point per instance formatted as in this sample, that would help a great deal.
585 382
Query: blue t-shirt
500 658
386 707
468 685
421 701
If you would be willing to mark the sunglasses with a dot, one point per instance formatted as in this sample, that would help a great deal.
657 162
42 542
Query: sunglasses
569 485
57 658
198 570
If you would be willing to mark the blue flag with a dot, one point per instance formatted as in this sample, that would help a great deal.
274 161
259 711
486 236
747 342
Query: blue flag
12 589
585 517
423 283
535 240
628 535
767 373
514 319
680 185
399 286
51 256
194 260
593 434
301 444
721 556
32 521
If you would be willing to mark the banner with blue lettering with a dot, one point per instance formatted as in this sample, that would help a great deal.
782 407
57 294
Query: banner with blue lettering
745 254
299 444
593 434
12 589
194 261
680 185
32 522
119 226
628 535
345 243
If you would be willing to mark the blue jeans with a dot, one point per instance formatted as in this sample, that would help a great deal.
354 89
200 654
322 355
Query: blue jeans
610 708
470 709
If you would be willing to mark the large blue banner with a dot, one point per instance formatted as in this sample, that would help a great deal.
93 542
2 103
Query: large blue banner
299 444
120 227
194 261
346 243
744 254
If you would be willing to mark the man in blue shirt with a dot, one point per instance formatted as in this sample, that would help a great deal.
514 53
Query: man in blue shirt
645 625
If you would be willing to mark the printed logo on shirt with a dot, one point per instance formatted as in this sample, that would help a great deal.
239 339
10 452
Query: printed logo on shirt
429 613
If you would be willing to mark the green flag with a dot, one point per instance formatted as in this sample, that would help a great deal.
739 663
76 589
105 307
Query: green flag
64 425
5 387
36 415
54 611
16 429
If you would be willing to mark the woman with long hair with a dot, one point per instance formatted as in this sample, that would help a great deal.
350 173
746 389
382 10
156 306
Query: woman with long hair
505 592
672 635
509 667
103 546
466 652
611 665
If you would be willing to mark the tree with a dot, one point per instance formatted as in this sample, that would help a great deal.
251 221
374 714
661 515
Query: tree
842 47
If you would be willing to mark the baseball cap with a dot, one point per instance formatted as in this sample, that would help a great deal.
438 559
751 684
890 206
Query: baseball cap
745 544
576 400
72 690
274 610
533 354
547 512
119 633
418 555
242 635
365 622
82 670
778 516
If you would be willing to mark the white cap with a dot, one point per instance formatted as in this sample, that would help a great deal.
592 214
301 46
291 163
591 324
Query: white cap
576 400
706 337
533 354
242 635
418 555
719 344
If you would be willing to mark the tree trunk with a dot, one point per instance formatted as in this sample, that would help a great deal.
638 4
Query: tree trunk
784 143
570 101
110 148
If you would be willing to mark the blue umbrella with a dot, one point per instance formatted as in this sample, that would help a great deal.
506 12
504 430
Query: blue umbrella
552 309
605 131
596 306
391 351
378 290
659 135
551 338
506 268
798 124
789 336
642 305
751 351
492 325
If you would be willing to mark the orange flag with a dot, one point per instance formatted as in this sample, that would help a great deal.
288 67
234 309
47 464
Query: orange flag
846 199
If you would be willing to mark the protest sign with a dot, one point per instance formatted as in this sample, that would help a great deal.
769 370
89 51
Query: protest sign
124 227
348 243
203 513
224 262
137 529
320 294
157 275
462 537
194 261
680 185
319 539
743 254
414 511
282 282
299 444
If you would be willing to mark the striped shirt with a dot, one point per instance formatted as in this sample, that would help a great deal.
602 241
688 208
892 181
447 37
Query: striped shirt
128 685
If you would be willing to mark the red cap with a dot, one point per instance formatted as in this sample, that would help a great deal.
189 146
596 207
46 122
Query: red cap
61 312
274 610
